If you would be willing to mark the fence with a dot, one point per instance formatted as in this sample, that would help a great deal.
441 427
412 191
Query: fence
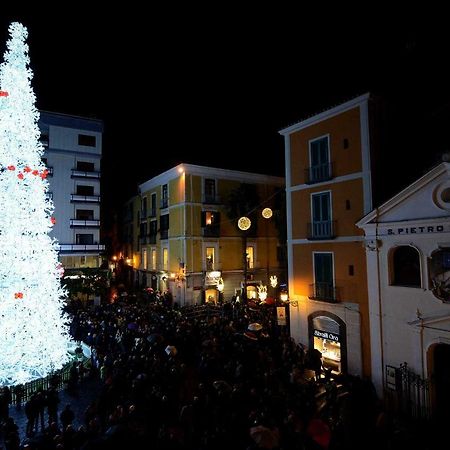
57 380
410 397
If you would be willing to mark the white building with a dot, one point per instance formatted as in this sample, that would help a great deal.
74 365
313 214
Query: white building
408 265
73 149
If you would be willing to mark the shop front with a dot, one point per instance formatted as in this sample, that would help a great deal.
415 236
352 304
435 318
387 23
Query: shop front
327 333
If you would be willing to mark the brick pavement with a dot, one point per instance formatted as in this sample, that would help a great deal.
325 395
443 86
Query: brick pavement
88 390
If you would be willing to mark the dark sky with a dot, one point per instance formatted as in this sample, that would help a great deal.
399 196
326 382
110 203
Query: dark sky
213 87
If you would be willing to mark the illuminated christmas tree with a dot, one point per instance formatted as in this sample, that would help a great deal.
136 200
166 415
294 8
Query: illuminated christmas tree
33 328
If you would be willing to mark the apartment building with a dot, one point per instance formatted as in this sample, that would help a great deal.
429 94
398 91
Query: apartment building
73 150
328 189
188 244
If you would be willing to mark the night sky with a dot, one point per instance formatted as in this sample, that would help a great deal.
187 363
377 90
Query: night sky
213 87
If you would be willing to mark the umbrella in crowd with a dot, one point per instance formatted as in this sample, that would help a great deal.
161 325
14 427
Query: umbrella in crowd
319 432
255 326
132 326
264 437
171 350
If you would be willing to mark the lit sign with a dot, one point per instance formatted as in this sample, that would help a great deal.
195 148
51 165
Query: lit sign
212 278
326 335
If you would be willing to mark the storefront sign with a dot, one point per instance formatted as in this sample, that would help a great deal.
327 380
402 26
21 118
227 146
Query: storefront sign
416 230
281 315
326 335
212 278
390 378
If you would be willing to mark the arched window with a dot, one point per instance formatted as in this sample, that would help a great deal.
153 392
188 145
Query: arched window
440 273
405 267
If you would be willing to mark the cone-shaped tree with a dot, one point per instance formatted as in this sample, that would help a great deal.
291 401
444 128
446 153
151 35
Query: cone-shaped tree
33 328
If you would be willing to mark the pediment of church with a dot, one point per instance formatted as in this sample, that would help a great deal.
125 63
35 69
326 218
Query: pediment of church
427 199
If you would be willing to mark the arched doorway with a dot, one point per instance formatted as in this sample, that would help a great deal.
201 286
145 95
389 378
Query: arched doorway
440 377
328 334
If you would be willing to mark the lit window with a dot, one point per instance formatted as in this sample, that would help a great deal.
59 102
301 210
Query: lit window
250 257
144 258
209 258
154 258
165 259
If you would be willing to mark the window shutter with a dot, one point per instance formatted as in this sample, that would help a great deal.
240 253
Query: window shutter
203 219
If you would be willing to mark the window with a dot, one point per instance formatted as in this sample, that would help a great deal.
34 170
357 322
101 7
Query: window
323 288
85 239
44 139
164 224
321 227
209 258
153 205
165 258
144 259
153 258
165 196
85 190
320 168
86 140
250 257
440 273
405 266
144 208
85 166
210 190
211 223
85 214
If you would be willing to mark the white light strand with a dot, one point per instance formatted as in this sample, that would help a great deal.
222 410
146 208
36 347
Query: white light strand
34 333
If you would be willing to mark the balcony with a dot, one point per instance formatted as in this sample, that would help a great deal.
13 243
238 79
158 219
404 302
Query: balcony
84 248
211 199
211 231
83 174
323 229
324 291
78 223
76 198
318 173
164 203
164 234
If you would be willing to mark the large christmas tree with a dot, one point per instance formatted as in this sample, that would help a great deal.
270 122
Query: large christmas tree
33 328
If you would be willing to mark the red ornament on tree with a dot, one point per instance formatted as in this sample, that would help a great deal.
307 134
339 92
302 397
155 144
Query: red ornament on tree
35 172
27 169
11 167
4 94
20 176
18 295
53 220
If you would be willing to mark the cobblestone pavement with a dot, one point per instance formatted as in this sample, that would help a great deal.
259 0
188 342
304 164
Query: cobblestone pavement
88 390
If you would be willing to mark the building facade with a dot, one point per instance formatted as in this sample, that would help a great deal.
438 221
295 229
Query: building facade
328 189
188 245
72 153
407 241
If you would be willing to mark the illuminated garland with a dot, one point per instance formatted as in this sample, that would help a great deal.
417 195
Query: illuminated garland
33 329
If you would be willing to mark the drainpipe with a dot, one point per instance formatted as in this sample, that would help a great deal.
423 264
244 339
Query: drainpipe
380 305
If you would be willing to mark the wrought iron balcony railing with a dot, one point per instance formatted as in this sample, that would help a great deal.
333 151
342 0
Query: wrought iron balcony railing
318 173
323 229
324 291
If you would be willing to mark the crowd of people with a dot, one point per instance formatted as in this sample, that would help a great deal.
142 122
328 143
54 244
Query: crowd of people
169 381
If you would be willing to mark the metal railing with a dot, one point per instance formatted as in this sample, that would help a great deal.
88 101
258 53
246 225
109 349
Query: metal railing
84 174
324 291
323 229
318 173
84 223
85 198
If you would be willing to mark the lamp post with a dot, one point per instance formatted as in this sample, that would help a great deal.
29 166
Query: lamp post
244 223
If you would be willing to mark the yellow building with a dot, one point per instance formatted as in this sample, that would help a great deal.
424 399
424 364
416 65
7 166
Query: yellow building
188 245
328 189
